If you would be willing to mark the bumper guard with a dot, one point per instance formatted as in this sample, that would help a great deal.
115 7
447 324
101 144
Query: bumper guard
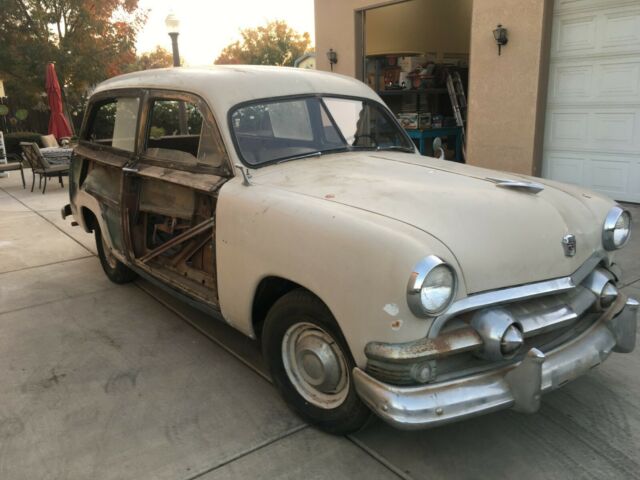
518 386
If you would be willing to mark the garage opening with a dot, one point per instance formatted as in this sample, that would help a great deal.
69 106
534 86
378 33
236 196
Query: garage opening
415 54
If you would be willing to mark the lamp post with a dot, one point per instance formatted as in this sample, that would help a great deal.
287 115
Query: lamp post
172 22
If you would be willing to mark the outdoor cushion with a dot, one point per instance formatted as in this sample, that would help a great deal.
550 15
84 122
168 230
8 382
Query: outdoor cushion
58 168
49 141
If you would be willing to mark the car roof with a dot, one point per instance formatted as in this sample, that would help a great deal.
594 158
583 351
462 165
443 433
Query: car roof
224 86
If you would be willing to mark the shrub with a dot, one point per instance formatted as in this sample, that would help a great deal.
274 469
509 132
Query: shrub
12 141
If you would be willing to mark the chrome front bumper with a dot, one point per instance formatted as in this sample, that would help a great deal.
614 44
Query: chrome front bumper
518 386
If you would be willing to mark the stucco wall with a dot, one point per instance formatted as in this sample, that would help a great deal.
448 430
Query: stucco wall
507 93
335 28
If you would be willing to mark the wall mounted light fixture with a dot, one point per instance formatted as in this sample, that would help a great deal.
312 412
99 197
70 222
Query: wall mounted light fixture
332 56
500 35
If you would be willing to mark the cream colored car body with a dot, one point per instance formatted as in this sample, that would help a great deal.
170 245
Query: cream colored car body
350 227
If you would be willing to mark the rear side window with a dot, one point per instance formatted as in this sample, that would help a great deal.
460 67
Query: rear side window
113 123
179 133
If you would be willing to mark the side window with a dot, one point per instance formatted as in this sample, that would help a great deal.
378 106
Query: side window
179 133
113 123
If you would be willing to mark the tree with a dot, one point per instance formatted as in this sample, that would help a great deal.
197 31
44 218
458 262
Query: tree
90 40
158 58
272 44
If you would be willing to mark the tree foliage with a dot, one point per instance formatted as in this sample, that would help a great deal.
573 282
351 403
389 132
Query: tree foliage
90 40
272 44
158 58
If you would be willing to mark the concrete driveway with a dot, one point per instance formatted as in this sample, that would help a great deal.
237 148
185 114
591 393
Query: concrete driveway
100 381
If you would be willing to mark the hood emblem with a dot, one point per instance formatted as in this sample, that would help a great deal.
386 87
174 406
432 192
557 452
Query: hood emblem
521 185
569 244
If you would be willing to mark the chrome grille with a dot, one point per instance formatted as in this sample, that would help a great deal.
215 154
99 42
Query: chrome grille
546 321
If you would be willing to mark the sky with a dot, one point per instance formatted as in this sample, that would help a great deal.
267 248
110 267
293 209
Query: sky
207 26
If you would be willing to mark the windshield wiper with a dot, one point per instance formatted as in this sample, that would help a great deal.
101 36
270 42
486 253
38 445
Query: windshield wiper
314 154
399 148
298 157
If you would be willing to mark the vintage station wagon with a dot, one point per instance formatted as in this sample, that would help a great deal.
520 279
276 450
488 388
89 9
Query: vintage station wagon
291 205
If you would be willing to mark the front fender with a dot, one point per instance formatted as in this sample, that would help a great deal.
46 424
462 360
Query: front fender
357 262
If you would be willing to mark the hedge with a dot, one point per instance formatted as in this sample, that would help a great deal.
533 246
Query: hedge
12 141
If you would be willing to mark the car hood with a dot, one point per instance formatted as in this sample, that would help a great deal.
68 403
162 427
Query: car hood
499 236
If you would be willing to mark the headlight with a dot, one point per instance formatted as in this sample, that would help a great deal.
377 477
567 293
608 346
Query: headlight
431 287
617 229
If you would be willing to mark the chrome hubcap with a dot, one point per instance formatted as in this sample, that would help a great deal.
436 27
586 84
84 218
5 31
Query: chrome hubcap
315 365
111 260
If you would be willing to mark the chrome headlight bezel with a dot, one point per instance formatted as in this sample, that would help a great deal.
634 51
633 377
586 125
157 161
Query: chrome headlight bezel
609 228
417 280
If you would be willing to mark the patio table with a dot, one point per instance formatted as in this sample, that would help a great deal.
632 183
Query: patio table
57 155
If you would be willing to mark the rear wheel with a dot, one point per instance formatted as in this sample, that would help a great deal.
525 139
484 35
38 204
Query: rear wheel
117 271
311 365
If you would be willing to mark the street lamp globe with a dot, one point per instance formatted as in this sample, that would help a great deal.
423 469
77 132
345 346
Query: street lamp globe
172 22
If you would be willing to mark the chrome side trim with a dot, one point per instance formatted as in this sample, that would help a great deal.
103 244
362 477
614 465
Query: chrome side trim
514 294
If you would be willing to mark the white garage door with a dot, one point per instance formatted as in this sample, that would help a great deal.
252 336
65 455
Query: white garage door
592 126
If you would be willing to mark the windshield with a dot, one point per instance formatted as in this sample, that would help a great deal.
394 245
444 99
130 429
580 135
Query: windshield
285 129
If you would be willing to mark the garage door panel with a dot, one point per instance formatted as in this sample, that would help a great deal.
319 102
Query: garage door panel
565 167
571 81
567 129
569 6
599 29
595 81
606 173
575 34
609 176
618 79
621 30
593 130
615 130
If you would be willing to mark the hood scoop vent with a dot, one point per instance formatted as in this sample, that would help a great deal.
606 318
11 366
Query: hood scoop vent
521 185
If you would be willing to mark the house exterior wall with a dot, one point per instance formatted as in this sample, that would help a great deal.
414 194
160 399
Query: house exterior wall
507 93
336 28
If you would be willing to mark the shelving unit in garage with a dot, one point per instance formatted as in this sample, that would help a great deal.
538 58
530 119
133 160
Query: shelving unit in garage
415 90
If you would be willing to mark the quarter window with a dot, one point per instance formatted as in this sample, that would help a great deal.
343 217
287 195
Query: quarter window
114 122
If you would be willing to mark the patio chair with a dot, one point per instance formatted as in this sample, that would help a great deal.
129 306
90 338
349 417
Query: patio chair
40 166
6 166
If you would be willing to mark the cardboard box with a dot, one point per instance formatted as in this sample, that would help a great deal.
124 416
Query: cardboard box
424 121
408 120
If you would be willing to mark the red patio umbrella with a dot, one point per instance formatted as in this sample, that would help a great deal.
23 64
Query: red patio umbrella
58 124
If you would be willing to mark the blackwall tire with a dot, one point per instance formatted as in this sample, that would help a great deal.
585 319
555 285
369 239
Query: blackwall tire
117 271
311 365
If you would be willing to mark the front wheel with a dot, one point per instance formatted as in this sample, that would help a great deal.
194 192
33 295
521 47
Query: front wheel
117 271
311 365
